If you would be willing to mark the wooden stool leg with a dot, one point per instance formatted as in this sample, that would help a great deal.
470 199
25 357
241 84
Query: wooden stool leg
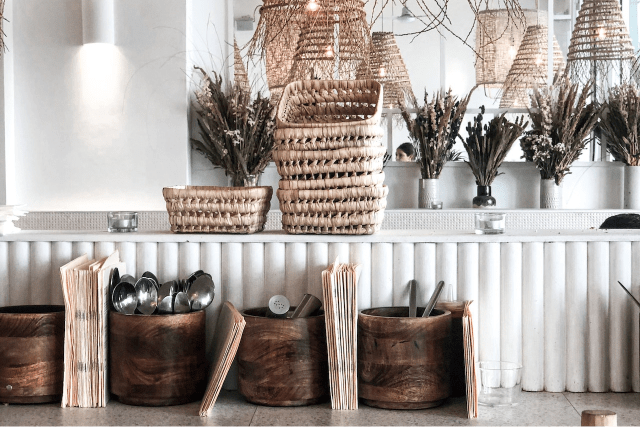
596 417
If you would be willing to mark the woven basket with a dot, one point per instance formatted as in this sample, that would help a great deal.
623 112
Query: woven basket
329 138
371 180
196 209
340 223
330 103
329 202
353 161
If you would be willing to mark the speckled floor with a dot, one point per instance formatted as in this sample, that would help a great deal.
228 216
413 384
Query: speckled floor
231 409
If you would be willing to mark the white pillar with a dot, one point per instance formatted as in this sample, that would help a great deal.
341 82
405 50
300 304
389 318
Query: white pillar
360 253
511 302
576 292
489 302
447 269
468 274
274 265
40 273
4 274
403 272
635 315
598 315
295 271
533 316
425 271
60 255
168 261
190 259
555 339
232 274
19 273
128 254
147 259
253 274
620 316
210 259
382 274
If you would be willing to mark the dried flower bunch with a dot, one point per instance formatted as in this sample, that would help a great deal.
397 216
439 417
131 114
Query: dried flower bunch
561 120
434 130
236 132
488 145
620 123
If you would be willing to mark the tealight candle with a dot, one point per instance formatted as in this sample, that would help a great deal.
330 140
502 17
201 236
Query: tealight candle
122 222
489 223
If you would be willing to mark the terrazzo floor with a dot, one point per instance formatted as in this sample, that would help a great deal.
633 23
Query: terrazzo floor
231 409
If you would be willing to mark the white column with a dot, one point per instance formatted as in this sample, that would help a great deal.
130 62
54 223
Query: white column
533 316
635 330
360 253
40 273
60 255
82 248
620 316
232 274
295 281
403 271
576 291
103 249
274 265
317 262
468 274
511 302
598 315
489 302
340 251
253 273
555 339
425 271
168 261
147 259
381 274
4 274
19 282
128 254
190 259
447 269
210 260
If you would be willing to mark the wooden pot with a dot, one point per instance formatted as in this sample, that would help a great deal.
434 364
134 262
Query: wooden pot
31 353
157 360
403 362
283 362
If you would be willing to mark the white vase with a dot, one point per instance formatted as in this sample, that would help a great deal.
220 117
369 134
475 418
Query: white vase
632 187
550 194
428 192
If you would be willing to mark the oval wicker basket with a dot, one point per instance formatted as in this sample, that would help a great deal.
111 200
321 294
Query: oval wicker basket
340 223
329 202
329 138
371 180
207 209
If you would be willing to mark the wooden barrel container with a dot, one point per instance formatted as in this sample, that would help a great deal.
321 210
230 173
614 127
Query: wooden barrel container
31 353
157 360
403 362
283 362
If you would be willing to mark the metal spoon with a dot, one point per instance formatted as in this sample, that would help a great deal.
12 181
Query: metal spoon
147 294
150 275
115 279
181 303
201 292
166 296
434 299
128 278
124 298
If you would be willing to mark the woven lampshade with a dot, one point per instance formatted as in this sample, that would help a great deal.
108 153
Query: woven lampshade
388 68
529 68
279 59
498 37
274 25
239 71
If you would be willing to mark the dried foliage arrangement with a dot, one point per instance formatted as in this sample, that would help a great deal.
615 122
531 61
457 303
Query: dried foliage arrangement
561 119
487 145
236 132
434 130
620 124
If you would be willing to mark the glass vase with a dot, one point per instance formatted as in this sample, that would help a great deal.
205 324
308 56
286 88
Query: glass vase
241 180
550 194
483 198
429 194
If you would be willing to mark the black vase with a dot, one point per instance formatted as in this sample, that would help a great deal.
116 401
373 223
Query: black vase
484 198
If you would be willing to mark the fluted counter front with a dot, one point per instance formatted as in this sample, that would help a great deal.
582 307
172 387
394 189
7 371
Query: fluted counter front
549 299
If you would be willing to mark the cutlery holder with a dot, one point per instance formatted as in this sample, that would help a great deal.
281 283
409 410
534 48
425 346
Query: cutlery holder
283 362
31 353
157 360
403 362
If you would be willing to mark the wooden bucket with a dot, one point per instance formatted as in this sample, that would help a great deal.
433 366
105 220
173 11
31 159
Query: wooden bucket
31 353
403 362
157 360
283 362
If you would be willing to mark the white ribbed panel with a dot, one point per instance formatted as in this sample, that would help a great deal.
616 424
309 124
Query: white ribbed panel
620 316
274 264
82 248
295 272
168 261
468 256
576 301
190 260
381 274
232 274
103 249
210 262
40 272
447 269
533 316
128 254
19 281
147 260
360 253
635 315
598 309
253 273
60 255
317 262
489 301
4 274
424 255
511 302
403 271
555 339
340 251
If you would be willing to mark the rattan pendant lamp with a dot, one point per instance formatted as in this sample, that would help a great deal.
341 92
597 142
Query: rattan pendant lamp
388 68
529 68
240 75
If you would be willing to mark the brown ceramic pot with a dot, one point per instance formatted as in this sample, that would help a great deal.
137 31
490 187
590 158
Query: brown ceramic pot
31 353
403 362
283 362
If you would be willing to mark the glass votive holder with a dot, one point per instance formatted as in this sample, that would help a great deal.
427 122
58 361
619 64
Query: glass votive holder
435 204
489 223
500 383
122 222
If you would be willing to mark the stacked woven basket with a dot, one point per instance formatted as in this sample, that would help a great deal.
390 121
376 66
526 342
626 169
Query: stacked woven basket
329 155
